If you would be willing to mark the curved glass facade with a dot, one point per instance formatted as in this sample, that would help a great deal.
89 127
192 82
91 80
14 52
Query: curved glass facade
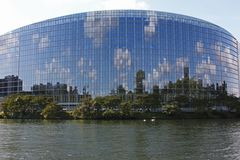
119 51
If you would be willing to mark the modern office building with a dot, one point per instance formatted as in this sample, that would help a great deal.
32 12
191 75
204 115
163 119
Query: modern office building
119 52
9 85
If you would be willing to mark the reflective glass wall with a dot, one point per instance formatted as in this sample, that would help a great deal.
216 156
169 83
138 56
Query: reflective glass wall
108 52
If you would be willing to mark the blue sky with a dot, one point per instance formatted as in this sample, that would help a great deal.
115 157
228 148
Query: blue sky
17 13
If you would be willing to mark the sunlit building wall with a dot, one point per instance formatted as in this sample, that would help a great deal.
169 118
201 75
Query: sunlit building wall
94 53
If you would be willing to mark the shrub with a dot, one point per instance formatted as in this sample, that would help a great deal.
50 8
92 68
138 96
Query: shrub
111 114
23 106
53 111
170 109
126 109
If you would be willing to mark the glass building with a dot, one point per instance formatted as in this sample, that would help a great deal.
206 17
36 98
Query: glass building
119 52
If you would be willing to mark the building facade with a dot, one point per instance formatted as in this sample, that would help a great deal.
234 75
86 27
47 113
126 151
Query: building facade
121 51
10 85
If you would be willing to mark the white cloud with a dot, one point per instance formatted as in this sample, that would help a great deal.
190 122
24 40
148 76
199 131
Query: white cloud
150 29
164 67
122 79
8 42
206 67
205 70
96 27
9 52
224 55
158 75
181 62
155 74
55 72
149 80
125 86
35 38
200 47
43 43
206 79
80 65
122 61
91 72
229 59
122 58
217 47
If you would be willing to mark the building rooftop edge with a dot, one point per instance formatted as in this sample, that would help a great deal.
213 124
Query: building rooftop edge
119 11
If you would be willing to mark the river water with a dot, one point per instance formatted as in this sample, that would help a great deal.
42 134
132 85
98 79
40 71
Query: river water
120 140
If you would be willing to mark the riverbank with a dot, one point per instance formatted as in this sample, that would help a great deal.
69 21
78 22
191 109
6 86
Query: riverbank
112 108
138 116
150 115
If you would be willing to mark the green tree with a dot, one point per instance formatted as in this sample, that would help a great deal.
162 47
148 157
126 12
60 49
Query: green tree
86 109
53 111
82 112
111 114
126 109
112 101
182 100
201 104
24 106
99 101
139 103
170 109
13 107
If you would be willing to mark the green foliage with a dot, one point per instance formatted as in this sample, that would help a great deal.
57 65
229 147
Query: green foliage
23 106
228 100
1 114
156 90
76 113
201 104
121 106
28 106
146 101
83 111
126 109
107 101
112 101
182 100
53 111
170 109
111 114
99 101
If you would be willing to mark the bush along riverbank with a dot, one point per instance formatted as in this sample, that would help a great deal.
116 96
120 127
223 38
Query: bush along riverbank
31 107
114 108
